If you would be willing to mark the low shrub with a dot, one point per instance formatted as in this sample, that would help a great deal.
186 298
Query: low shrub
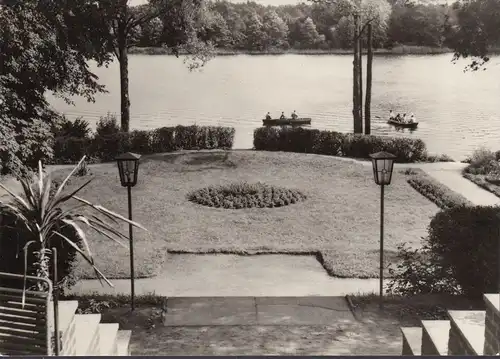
140 142
435 191
483 162
467 241
245 195
439 158
162 140
165 139
107 125
337 144
79 128
70 149
420 271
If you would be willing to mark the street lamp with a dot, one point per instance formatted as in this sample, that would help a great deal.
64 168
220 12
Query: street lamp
383 163
128 167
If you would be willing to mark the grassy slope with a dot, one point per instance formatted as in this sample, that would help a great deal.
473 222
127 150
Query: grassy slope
340 218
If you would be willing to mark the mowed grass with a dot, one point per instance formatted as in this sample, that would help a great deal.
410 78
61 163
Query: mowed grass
339 220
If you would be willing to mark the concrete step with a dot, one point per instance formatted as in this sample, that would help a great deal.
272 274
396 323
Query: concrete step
67 313
467 332
123 342
435 335
412 341
87 326
108 338
492 330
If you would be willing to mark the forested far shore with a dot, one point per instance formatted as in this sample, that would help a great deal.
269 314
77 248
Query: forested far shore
310 28
398 50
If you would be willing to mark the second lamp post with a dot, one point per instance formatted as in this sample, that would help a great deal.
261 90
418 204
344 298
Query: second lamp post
128 168
383 164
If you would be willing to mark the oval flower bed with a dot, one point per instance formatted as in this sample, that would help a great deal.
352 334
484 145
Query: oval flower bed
245 195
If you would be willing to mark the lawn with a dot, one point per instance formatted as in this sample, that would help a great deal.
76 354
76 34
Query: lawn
339 220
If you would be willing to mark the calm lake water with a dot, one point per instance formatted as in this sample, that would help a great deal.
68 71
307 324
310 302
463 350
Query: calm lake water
458 112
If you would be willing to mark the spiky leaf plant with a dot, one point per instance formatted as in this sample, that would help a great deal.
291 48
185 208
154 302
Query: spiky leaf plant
43 212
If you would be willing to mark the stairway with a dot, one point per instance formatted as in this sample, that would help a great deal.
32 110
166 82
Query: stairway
466 332
85 335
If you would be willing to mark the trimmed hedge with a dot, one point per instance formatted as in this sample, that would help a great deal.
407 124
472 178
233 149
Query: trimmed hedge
337 144
166 139
435 191
466 239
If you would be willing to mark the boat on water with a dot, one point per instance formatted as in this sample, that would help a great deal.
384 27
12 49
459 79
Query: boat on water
287 121
403 124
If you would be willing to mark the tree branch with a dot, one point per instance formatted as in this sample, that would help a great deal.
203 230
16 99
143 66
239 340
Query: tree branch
365 26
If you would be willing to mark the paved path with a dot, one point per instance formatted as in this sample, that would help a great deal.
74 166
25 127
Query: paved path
256 311
215 275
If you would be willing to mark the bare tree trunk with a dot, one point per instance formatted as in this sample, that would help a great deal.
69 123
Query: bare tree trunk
360 82
123 60
369 64
356 83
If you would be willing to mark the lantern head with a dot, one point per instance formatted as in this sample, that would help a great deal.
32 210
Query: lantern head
128 168
383 164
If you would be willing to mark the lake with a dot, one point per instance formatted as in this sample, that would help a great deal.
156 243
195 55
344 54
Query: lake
458 112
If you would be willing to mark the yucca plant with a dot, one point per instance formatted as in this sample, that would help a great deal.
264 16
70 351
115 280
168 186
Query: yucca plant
44 211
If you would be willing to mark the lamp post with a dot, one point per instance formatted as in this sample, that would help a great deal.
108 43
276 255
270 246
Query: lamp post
383 163
128 167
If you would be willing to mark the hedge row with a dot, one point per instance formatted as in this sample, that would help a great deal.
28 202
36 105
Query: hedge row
337 144
165 139
435 191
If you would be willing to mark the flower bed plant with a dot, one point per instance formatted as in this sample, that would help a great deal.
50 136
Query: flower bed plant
246 195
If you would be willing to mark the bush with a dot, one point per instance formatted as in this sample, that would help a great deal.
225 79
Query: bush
79 128
162 140
245 195
15 236
140 142
467 241
337 144
165 139
107 125
70 149
107 148
435 191
419 271
483 162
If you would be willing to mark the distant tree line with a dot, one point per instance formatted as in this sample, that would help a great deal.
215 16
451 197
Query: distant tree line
254 27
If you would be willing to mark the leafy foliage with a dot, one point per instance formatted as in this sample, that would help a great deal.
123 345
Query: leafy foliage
44 214
483 162
79 128
420 271
41 49
476 28
245 195
107 125
466 239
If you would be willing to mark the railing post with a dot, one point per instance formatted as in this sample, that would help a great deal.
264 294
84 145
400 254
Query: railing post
55 292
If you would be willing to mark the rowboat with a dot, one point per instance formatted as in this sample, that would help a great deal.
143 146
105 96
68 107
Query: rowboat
403 124
286 121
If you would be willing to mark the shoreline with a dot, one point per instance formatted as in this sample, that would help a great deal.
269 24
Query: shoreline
398 50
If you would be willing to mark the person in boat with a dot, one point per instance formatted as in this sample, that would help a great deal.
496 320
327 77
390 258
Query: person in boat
391 115
405 119
294 115
412 118
282 117
398 117
268 116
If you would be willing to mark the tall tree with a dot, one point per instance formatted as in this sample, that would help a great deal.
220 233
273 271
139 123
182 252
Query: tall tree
44 47
179 19
276 30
